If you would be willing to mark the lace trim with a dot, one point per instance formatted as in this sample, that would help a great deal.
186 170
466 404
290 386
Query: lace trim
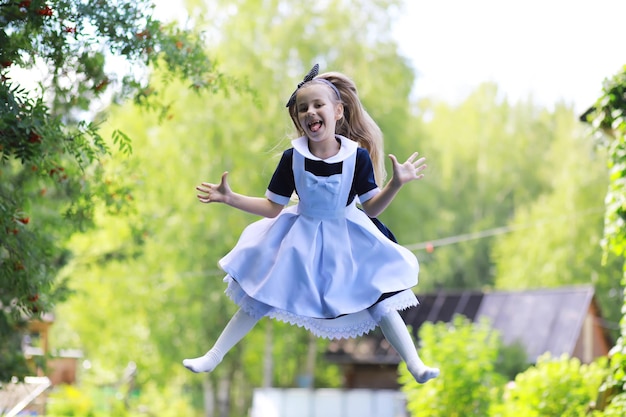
348 326
344 327
399 302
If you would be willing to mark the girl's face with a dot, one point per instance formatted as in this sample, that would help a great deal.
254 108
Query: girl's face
318 111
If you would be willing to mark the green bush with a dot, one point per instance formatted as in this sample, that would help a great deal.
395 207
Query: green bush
72 401
466 354
553 387
67 401
512 360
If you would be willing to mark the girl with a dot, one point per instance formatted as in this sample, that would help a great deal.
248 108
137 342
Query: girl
322 264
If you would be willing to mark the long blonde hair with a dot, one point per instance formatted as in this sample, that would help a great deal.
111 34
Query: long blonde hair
356 123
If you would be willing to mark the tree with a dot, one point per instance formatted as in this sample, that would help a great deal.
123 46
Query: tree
498 202
51 151
608 120
559 233
167 302
487 159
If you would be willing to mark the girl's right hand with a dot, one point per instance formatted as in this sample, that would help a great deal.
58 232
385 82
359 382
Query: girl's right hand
215 193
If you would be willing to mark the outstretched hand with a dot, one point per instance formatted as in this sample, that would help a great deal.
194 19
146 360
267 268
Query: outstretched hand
409 170
215 193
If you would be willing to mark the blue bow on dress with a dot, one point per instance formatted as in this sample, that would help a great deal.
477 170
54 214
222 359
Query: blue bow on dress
332 183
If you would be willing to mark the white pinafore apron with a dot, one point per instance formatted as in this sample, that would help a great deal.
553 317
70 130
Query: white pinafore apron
320 264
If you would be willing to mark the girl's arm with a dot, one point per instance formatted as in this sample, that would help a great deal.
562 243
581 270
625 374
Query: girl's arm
402 173
221 193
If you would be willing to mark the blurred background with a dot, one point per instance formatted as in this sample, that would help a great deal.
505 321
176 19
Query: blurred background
113 112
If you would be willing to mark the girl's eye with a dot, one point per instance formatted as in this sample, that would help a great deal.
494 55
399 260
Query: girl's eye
304 109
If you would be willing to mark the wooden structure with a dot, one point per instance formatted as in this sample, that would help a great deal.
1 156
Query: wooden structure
29 397
559 321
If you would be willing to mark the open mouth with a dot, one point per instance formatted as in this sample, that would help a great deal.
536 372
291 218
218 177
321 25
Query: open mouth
315 126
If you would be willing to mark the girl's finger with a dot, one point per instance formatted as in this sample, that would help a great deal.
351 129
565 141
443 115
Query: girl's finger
419 161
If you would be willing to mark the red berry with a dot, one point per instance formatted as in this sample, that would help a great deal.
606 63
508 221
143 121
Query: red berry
34 138
101 85
46 11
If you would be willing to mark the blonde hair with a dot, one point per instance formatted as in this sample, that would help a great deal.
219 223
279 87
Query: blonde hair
356 123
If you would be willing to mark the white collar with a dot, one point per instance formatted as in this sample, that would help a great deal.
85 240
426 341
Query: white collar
348 147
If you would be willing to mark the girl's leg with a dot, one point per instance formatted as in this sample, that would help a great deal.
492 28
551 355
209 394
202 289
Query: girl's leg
235 330
396 332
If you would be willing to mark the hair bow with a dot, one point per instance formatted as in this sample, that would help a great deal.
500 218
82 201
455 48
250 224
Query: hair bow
312 74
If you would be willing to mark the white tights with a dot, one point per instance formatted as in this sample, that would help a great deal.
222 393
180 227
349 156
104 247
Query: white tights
392 326
397 334
235 330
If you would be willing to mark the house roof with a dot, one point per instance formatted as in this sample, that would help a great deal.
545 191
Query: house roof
15 396
543 320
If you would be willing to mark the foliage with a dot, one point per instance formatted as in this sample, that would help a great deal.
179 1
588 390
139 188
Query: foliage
512 360
531 207
553 387
166 302
68 400
473 381
608 119
147 285
91 401
560 231
11 356
51 153
609 122
469 383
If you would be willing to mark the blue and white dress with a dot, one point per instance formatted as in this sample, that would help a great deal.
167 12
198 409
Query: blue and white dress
321 264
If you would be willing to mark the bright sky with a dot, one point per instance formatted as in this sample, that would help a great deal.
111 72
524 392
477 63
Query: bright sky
550 49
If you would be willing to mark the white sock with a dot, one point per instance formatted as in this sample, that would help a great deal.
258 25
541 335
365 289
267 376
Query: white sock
396 332
235 330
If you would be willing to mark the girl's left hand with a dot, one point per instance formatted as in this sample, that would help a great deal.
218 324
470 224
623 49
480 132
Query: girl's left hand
408 171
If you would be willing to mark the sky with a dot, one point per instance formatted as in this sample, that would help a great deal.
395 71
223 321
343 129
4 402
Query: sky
550 50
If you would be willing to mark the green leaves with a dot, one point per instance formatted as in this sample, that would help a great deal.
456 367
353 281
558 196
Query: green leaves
553 387
607 120
122 141
51 151
467 354
472 383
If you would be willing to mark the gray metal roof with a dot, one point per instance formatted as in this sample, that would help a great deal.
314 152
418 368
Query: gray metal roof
547 320
543 320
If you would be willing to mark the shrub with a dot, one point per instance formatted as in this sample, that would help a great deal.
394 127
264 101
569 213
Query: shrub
553 387
466 354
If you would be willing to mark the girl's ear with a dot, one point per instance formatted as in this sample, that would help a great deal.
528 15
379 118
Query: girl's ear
339 111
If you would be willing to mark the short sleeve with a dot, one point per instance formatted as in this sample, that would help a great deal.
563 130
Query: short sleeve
282 184
364 182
